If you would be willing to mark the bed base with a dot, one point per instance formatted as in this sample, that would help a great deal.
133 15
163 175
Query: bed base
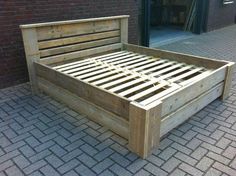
137 92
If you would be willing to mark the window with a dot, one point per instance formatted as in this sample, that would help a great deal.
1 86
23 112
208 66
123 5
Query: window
225 2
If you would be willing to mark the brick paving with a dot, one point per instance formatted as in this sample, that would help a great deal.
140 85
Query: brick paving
40 136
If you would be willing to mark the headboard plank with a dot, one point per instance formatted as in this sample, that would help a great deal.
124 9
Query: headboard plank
77 47
80 54
59 31
78 39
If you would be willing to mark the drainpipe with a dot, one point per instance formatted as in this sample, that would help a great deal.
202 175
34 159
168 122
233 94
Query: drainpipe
145 22
201 15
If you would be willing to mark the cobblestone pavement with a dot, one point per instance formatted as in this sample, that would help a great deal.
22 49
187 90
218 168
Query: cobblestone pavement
40 136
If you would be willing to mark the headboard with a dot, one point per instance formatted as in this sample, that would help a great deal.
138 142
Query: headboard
54 42
58 41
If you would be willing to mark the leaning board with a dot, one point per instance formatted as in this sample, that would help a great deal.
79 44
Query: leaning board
137 92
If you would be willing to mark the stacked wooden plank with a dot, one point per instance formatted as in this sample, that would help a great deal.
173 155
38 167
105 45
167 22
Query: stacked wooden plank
191 16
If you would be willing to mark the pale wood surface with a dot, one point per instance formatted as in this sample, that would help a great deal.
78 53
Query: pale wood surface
144 125
32 54
72 21
228 80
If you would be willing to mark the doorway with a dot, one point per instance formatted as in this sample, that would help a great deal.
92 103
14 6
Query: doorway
171 20
167 21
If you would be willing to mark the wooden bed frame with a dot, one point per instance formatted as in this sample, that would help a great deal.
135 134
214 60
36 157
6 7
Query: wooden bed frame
137 92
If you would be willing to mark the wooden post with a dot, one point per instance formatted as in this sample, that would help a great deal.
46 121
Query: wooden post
124 30
144 134
31 53
228 80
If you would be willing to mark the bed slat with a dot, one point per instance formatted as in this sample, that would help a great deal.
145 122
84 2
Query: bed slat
62 66
157 96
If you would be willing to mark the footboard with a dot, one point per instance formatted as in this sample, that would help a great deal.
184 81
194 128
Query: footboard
137 92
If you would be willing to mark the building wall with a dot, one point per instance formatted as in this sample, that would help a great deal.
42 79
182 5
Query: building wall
13 69
220 16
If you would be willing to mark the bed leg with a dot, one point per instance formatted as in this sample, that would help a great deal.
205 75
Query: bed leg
32 55
228 80
144 128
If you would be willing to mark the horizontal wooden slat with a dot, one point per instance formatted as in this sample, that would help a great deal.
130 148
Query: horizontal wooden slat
79 54
77 47
125 85
90 71
90 79
77 39
136 88
104 66
161 78
116 76
107 78
151 70
110 73
78 63
163 71
173 73
159 95
82 67
65 30
150 66
102 69
112 83
147 91
94 62
185 74
195 78
56 23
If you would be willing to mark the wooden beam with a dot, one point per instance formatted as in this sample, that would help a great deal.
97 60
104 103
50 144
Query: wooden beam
78 39
78 47
179 57
32 54
144 128
124 30
73 21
